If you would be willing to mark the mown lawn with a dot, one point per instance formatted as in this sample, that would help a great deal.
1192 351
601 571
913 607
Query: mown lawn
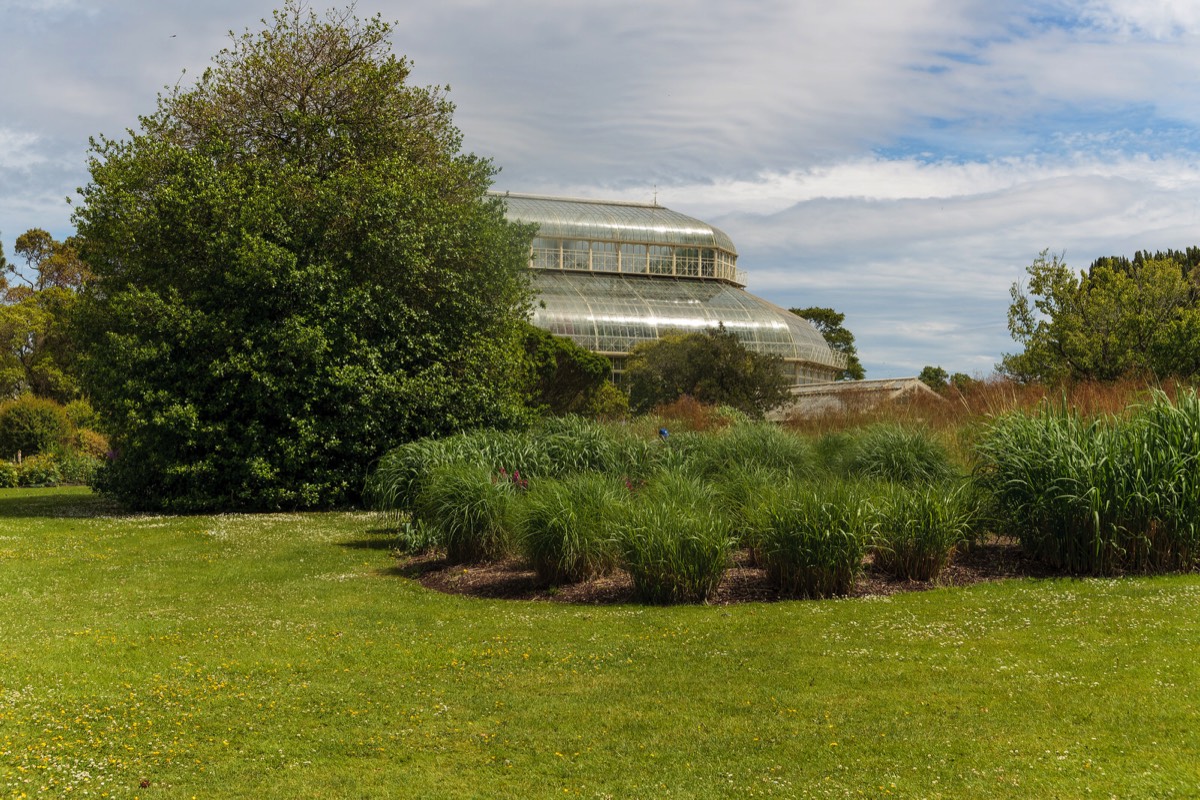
286 656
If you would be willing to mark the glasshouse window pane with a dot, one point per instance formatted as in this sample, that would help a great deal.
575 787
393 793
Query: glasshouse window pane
633 258
662 260
574 254
545 254
604 256
687 262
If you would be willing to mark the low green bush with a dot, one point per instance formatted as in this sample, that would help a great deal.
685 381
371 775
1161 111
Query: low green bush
414 538
468 509
674 543
81 415
918 528
566 526
39 470
9 475
76 467
812 537
88 442
30 425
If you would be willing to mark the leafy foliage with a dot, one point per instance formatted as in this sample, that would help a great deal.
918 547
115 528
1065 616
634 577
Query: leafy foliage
296 270
37 349
30 425
935 378
567 378
39 470
1121 317
712 366
841 340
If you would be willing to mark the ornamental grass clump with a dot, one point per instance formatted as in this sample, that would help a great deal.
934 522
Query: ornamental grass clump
812 537
404 472
918 528
760 444
741 493
896 453
566 526
556 446
674 544
468 509
1099 496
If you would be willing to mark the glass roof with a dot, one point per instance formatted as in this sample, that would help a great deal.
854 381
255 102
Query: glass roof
613 313
601 220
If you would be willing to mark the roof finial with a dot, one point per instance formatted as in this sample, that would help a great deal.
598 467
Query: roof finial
656 194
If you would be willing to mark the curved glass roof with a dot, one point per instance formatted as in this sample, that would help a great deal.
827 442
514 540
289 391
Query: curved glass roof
601 220
613 313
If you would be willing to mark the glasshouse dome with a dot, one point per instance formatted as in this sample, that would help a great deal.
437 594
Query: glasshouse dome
610 275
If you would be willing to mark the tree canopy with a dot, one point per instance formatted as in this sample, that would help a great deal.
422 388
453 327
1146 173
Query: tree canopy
37 351
1122 316
830 324
296 269
566 378
712 366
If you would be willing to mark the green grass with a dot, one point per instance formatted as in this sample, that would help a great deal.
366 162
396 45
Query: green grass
285 656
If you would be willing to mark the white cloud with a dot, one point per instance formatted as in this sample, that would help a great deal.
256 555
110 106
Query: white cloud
1159 19
17 150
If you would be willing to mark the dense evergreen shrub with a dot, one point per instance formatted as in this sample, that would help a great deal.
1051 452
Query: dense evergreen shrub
90 443
82 415
9 475
290 283
30 425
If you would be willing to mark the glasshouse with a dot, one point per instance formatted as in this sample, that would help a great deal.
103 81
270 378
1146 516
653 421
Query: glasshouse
610 275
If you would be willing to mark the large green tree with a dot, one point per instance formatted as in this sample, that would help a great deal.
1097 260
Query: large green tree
37 351
712 366
296 268
830 325
1120 317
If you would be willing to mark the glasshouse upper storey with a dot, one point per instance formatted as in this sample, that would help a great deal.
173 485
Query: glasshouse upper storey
610 275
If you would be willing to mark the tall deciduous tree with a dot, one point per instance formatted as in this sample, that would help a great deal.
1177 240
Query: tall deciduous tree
37 351
296 269
1119 317
712 366
830 324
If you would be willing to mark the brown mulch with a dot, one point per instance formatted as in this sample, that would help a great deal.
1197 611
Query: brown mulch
992 560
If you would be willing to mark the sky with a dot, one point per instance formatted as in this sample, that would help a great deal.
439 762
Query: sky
901 161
